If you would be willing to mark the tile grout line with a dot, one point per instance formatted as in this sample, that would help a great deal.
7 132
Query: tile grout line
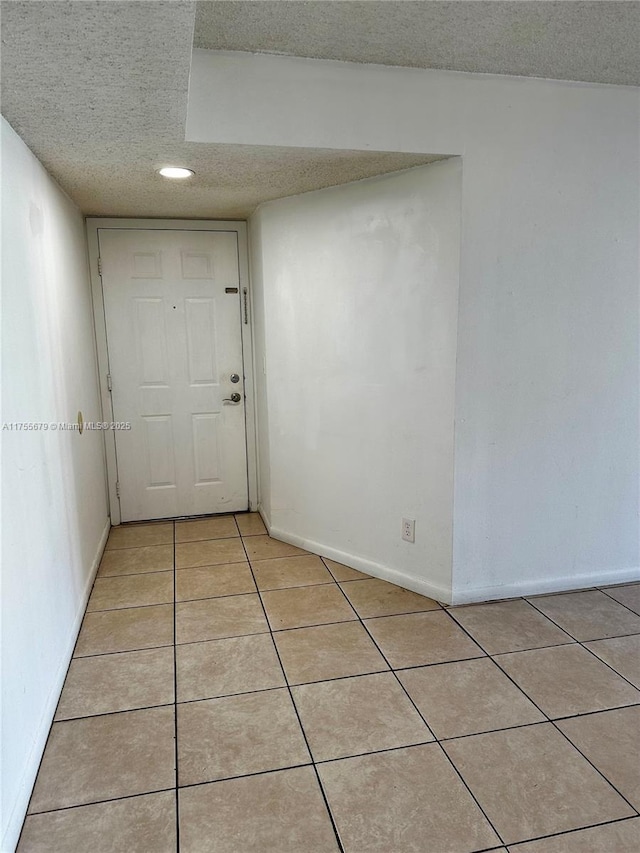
295 708
573 642
571 639
435 739
621 603
250 775
582 643
564 832
328 681
125 651
53 721
361 620
546 716
175 690
608 665
296 766
548 719
570 642
179 568
452 608
100 802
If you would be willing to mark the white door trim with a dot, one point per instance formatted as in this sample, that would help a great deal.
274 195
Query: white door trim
240 228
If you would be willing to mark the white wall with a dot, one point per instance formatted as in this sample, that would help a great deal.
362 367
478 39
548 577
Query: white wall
546 443
258 311
54 511
359 288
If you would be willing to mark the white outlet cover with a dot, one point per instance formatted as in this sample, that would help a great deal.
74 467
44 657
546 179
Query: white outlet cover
409 529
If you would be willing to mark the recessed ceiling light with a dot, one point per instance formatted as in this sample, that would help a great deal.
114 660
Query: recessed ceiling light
175 172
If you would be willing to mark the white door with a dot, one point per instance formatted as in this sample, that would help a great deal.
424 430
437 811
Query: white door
173 316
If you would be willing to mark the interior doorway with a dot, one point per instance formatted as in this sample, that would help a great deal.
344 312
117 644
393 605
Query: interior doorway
172 318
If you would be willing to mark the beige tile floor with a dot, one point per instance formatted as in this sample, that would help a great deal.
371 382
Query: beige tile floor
232 693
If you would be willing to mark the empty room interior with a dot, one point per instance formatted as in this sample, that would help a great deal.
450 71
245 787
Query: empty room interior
320 426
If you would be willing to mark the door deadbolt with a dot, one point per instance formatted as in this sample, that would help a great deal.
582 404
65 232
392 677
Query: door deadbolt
234 378
234 398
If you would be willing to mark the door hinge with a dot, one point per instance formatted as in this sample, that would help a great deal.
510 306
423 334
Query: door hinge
246 305
109 385
117 488
99 266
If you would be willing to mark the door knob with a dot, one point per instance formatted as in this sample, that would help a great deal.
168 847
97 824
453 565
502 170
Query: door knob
234 398
234 378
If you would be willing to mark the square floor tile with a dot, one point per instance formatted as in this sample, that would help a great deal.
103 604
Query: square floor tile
357 715
374 597
628 595
221 527
531 782
620 837
211 552
101 758
117 682
421 638
131 561
216 618
135 825
567 680
304 606
250 524
223 667
125 630
610 741
139 535
237 735
214 581
343 573
621 653
283 572
404 801
264 547
467 697
328 651
131 591
282 811
508 626
589 615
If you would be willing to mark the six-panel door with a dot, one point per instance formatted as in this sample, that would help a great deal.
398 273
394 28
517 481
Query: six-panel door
173 317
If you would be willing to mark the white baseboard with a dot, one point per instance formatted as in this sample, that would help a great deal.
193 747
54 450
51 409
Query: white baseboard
542 586
376 570
265 517
23 795
470 595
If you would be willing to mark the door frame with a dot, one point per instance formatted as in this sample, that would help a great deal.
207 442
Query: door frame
96 223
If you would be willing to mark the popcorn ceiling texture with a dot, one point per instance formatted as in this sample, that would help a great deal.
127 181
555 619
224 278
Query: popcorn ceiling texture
98 88
230 180
96 73
589 41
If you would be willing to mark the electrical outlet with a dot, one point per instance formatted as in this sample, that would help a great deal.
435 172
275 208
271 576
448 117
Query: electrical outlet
409 529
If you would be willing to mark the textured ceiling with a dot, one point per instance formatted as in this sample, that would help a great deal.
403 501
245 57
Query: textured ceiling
90 72
230 181
589 41
98 88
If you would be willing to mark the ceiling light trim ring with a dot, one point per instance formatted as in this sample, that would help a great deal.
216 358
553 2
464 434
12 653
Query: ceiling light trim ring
176 172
